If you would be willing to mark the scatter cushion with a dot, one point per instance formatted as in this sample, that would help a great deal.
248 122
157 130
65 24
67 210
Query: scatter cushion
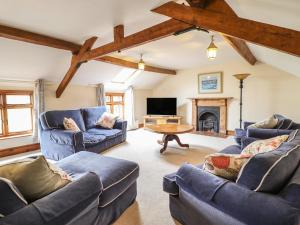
70 124
266 145
270 171
35 178
107 120
11 199
268 123
225 165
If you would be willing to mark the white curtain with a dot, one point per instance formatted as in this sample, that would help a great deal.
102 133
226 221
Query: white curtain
39 104
129 109
100 93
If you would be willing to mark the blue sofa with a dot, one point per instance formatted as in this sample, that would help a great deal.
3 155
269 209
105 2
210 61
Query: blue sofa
58 143
284 126
201 198
101 190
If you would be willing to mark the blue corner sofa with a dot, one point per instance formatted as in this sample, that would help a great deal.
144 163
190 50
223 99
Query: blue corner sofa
284 126
58 143
101 190
200 198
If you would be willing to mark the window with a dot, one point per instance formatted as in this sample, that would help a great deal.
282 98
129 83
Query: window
16 109
115 103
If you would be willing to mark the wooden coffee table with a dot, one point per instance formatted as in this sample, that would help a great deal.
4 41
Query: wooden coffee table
170 132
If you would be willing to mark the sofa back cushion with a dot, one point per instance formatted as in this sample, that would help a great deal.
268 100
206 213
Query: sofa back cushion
270 171
294 137
55 119
92 115
11 199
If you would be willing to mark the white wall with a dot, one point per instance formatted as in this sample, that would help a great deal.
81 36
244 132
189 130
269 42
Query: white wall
140 103
268 90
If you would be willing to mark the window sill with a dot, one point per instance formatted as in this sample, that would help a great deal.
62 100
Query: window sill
15 136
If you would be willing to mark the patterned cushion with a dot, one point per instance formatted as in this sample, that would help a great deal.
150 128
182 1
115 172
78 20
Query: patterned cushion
35 178
107 120
266 145
268 123
270 171
70 124
11 199
224 165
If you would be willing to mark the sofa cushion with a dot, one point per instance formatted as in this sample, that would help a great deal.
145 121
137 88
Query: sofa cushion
90 139
55 119
70 124
11 199
92 115
270 171
108 133
294 137
267 123
35 178
116 175
232 149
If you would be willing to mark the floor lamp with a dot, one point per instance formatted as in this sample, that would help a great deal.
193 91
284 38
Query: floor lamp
241 78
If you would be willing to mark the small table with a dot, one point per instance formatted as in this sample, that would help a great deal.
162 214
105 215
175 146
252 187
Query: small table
170 132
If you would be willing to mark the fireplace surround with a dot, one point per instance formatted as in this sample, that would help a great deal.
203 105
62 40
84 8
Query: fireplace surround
210 114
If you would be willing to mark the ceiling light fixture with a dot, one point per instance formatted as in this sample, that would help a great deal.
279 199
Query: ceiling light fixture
141 64
212 49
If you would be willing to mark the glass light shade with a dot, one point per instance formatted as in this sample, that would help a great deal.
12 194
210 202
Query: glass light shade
141 65
212 51
241 76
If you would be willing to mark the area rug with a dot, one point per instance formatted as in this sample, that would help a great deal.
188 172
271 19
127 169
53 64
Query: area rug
152 204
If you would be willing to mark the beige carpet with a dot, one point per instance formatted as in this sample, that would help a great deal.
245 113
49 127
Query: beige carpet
151 206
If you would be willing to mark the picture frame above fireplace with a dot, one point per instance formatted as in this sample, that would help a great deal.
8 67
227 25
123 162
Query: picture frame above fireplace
210 83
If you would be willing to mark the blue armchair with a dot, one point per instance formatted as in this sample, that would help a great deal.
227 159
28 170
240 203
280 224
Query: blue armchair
284 126
58 143
200 198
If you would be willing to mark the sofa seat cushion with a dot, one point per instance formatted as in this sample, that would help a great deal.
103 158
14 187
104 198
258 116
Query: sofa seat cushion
116 175
232 149
92 115
90 139
108 133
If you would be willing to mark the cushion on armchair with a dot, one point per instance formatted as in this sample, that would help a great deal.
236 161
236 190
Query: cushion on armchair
268 123
92 115
269 171
70 124
107 120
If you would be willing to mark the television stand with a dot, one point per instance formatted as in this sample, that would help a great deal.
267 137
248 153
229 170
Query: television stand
156 120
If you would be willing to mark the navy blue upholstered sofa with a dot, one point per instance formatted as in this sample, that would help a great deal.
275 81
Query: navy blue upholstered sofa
58 143
101 190
201 198
284 126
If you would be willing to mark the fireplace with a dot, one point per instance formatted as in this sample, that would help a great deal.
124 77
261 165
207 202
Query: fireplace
208 118
210 114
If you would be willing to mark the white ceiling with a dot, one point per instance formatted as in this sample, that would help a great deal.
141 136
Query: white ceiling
77 20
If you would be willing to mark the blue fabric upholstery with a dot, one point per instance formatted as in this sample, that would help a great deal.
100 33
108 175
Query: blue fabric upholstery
245 141
270 171
57 143
92 115
232 149
55 119
116 175
169 184
11 199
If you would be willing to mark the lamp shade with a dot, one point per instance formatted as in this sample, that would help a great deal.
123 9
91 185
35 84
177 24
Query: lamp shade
141 64
241 76
212 49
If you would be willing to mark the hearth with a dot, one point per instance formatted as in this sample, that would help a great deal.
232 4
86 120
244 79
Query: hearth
208 118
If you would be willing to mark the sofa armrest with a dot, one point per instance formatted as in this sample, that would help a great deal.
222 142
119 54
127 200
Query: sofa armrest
121 125
62 206
66 137
266 133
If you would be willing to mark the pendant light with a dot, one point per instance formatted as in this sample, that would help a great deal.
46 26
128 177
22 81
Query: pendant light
212 49
141 64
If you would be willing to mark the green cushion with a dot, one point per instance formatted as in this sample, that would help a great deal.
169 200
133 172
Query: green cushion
35 178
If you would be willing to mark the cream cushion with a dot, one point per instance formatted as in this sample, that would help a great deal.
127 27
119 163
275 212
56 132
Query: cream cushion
268 123
107 120
70 124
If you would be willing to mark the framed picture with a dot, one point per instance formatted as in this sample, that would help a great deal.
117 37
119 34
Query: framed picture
210 83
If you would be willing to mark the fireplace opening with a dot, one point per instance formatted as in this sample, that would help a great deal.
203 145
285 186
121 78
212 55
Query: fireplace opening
209 119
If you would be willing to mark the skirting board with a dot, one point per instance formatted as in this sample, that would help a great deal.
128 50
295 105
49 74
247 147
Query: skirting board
19 149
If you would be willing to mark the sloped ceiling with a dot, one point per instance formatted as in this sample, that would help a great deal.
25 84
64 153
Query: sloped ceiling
77 20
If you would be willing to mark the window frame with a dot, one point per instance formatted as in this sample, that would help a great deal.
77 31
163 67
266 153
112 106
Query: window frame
4 112
112 103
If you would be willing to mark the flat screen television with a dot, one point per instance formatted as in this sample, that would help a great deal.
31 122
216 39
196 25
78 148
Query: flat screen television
162 106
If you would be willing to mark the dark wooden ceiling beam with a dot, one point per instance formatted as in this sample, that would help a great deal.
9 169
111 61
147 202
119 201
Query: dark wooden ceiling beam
134 65
222 7
75 64
279 38
39 39
153 33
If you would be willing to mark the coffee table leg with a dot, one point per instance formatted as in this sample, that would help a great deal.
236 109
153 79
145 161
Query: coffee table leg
171 137
179 142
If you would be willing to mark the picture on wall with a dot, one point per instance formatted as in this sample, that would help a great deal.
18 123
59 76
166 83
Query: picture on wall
210 83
